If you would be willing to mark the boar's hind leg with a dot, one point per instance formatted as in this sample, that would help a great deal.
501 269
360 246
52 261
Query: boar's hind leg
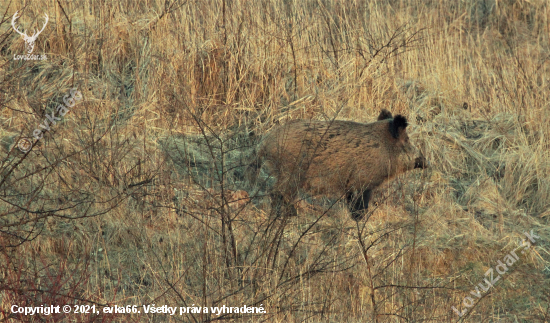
281 206
359 202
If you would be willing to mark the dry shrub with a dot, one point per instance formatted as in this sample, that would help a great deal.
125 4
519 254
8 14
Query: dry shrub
144 179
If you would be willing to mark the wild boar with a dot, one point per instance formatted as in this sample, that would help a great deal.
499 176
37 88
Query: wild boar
336 159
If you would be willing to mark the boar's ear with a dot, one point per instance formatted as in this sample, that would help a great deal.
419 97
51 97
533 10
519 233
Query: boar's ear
399 122
384 114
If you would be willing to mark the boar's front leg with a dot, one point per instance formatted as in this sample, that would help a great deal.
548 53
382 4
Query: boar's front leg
359 202
280 206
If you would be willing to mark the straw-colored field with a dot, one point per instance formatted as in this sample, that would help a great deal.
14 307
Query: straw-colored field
139 194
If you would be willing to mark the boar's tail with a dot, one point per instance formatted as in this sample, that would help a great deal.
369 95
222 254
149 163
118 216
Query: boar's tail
252 170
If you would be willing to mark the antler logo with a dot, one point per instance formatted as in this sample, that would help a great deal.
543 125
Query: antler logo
29 40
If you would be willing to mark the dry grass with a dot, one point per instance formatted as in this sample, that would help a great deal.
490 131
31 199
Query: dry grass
135 196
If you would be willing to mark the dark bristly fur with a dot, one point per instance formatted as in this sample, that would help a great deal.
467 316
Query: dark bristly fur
398 122
384 114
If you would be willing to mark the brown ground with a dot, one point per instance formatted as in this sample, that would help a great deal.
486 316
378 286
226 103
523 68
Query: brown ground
133 198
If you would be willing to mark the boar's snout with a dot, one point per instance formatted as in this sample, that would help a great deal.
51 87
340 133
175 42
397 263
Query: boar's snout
420 162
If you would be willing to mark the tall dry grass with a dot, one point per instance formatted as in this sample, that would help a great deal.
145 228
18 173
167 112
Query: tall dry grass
133 198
